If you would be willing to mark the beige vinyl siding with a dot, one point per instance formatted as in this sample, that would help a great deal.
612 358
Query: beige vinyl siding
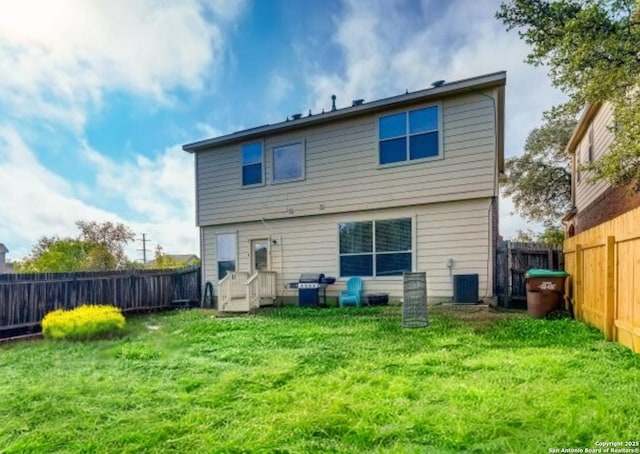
457 230
342 173
207 260
587 192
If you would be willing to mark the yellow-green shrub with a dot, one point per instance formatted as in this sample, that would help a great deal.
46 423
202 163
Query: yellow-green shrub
84 322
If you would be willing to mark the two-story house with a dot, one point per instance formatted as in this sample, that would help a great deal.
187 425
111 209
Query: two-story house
593 203
406 183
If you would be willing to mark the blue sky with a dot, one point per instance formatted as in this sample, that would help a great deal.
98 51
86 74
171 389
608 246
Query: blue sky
97 97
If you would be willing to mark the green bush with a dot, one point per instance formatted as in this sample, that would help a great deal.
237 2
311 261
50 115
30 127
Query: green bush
84 322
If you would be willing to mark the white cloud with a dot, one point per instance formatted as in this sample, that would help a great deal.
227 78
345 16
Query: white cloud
159 190
33 200
226 9
388 49
207 130
58 62
278 88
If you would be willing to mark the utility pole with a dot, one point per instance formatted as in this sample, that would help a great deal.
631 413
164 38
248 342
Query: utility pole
144 247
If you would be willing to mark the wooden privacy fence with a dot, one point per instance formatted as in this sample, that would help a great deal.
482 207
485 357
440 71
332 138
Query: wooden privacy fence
514 259
604 265
26 298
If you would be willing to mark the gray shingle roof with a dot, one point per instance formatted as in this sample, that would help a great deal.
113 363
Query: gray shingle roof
450 88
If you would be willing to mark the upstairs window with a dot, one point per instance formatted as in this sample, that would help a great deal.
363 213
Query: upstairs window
252 164
407 136
590 153
288 162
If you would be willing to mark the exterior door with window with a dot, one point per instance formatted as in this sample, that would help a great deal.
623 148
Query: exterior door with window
260 255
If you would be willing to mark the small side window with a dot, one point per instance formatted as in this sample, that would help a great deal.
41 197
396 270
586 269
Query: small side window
252 164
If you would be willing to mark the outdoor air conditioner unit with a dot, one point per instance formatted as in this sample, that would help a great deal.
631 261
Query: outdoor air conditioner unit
465 288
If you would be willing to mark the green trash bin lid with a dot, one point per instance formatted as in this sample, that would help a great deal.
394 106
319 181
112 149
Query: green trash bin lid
545 273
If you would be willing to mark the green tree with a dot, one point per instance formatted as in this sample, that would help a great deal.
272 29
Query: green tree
539 181
552 235
163 260
61 255
98 247
591 48
111 239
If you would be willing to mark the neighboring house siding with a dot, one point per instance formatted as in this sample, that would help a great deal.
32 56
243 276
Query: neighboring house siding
208 254
458 230
597 202
587 192
342 172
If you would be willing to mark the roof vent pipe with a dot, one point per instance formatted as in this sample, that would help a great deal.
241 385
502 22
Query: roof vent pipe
296 116
357 102
438 83
333 103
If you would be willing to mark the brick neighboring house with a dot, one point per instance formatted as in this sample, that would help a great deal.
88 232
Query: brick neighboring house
4 266
594 203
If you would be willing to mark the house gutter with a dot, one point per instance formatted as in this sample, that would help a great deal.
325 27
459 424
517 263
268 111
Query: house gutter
581 128
579 131
492 80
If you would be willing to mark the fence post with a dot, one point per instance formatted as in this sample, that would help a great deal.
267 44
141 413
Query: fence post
610 286
509 278
578 283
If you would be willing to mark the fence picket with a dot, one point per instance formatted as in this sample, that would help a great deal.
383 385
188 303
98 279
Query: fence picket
26 298
606 294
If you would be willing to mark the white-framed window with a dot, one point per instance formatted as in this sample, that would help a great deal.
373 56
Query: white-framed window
375 248
289 162
408 136
226 252
590 149
252 164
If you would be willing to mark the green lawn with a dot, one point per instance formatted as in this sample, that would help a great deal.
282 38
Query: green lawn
303 380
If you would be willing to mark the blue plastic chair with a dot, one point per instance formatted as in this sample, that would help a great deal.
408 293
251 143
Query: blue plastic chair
352 294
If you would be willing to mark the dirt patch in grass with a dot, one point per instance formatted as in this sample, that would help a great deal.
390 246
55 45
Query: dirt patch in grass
481 317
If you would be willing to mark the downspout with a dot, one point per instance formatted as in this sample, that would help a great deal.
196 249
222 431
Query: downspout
494 196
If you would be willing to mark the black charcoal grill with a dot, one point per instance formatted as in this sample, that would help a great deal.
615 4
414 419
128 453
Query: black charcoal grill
311 286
